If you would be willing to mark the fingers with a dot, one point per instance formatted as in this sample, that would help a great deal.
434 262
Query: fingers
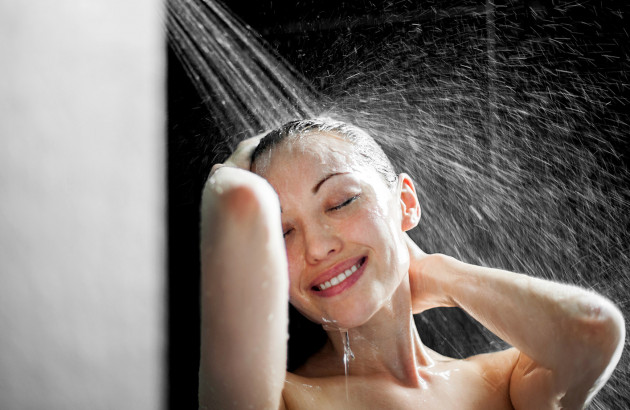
214 169
241 156
247 146
253 141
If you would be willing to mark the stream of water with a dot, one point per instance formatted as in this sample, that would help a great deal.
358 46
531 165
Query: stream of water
348 356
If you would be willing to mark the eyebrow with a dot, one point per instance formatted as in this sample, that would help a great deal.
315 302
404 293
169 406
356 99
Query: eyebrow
320 183
326 178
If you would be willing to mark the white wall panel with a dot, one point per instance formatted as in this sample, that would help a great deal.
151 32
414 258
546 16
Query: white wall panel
82 204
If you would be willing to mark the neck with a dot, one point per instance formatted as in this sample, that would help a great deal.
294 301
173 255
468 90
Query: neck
388 343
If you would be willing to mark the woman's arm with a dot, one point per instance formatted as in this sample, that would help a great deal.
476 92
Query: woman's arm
244 293
570 339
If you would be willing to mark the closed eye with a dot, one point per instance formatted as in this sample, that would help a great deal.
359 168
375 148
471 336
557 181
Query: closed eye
285 233
345 203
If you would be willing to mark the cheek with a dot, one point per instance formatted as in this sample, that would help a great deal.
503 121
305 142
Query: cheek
356 228
386 226
296 266
374 227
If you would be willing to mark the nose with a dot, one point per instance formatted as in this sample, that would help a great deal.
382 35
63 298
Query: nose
320 242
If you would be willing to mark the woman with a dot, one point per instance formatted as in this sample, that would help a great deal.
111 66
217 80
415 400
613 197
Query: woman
314 213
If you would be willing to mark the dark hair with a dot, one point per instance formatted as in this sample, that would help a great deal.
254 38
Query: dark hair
371 153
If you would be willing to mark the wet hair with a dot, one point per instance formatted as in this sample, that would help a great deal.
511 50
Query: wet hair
370 152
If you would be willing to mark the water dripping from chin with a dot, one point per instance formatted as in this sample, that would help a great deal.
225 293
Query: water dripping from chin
331 325
347 357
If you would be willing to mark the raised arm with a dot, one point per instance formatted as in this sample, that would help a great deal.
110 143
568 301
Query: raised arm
569 339
244 293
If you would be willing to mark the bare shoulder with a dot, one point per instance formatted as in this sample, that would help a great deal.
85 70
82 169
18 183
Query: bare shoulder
483 379
528 385
499 364
304 392
495 368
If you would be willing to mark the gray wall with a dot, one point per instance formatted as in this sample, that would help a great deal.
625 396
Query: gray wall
82 204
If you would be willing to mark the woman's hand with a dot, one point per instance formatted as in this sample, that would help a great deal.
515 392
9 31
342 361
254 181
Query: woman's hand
426 292
242 156
240 212
235 175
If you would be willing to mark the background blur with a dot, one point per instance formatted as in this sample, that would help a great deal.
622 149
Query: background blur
82 205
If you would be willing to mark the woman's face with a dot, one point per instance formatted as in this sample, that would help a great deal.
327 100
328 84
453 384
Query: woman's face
343 229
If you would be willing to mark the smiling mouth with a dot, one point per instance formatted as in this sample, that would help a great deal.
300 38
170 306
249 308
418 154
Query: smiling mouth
339 279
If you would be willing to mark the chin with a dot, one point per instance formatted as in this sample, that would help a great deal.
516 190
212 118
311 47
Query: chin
353 314
354 310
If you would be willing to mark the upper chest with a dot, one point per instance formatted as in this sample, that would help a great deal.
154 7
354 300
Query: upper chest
454 387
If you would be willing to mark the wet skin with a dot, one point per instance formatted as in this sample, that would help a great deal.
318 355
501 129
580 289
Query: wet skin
336 212
338 216
480 382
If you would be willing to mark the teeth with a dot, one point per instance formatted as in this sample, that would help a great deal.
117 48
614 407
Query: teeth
339 278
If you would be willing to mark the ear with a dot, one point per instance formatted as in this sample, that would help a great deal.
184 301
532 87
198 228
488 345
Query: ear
409 205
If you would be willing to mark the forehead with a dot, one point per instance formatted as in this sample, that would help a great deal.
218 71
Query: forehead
309 152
